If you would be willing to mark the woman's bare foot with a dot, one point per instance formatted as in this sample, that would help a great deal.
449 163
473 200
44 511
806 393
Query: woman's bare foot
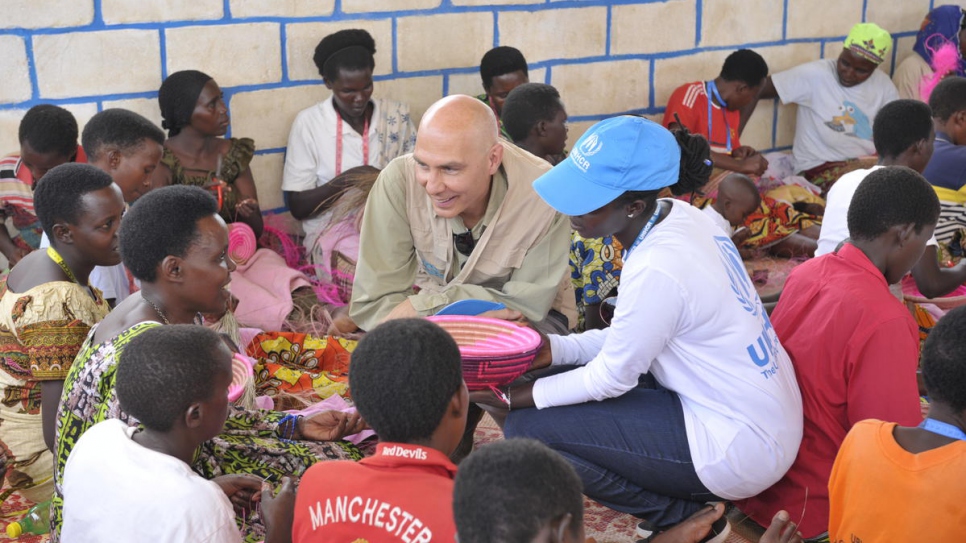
782 530
695 528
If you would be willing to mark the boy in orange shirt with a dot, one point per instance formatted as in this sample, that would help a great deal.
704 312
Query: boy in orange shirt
892 483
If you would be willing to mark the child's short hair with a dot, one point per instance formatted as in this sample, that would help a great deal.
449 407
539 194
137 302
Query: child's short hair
499 61
508 490
163 222
119 129
47 128
402 377
57 196
527 105
888 197
899 125
746 66
948 97
944 360
165 369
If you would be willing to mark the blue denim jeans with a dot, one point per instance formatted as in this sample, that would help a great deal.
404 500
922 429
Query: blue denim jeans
631 452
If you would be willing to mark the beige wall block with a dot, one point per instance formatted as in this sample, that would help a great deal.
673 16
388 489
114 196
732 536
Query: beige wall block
652 28
494 2
146 11
726 22
818 18
281 8
902 16
785 133
369 6
471 84
241 54
670 73
132 65
602 87
82 113
418 92
758 131
575 130
783 57
267 171
146 107
443 41
581 32
9 125
903 49
15 69
51 13
266 115
303 37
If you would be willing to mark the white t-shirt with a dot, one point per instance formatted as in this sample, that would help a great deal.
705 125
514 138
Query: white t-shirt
110 280
310 159
115 489
835 222
689 314
833 122
719 220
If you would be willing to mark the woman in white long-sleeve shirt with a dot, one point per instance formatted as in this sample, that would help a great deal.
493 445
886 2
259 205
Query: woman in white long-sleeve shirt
688 396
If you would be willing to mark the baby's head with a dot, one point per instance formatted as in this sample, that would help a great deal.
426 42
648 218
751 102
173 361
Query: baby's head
737 198
175 378
518 490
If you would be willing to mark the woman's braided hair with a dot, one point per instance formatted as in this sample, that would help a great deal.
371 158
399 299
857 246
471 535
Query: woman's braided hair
696 165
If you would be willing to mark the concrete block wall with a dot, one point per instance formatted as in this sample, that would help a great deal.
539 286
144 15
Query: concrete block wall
605 56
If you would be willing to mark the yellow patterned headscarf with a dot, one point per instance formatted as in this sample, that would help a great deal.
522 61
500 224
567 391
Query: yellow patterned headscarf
869 41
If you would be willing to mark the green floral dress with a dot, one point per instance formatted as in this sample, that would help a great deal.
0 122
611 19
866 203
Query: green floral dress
233 164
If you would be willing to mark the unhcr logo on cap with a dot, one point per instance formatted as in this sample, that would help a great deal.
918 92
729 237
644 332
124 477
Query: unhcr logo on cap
589 147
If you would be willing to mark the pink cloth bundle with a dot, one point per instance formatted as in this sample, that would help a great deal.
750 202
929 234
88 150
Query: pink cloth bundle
263 284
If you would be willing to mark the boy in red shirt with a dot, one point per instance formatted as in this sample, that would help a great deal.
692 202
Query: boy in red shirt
407 382
854 346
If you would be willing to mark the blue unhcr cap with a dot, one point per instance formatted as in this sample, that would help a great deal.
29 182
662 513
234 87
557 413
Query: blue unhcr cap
614 156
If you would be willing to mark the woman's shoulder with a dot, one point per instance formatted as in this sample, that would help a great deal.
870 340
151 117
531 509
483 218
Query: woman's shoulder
55 300
169 159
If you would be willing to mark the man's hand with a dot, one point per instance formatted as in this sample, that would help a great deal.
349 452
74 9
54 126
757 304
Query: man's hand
247 208
404 310
278 511
754 164
743 152
330 426
242 490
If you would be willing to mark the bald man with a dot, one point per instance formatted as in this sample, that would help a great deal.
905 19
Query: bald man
458 219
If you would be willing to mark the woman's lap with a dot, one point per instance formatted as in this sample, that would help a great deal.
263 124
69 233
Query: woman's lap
631 452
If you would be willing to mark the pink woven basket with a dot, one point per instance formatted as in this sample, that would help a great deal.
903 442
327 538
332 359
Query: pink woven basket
495 352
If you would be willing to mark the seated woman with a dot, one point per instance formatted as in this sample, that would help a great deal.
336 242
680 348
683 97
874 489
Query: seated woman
48 138
943 25
347 130
688 397
175 243
837 99
46 310
196 153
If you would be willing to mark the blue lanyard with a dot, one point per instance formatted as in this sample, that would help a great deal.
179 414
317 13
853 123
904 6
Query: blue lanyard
943 429
712 89
644 231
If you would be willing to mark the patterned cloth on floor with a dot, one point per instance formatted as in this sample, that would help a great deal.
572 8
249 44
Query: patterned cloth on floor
299 369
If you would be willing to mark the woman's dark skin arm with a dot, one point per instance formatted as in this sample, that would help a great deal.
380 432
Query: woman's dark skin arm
50 392
247 210
933 281
308 203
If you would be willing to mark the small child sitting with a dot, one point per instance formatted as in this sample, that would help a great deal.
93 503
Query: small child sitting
136 483
521 491
738 198
893 483
407 381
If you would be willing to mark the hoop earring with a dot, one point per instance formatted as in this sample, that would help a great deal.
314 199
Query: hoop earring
630 216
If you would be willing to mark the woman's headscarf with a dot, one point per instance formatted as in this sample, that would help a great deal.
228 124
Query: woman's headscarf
941 25
177 97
